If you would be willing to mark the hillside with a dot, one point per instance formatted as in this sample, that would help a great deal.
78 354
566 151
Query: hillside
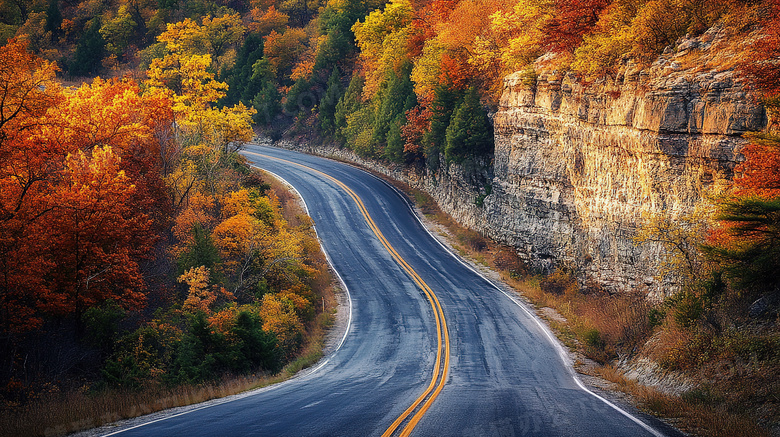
624 152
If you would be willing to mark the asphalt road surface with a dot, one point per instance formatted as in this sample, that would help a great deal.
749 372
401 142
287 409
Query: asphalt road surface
505 375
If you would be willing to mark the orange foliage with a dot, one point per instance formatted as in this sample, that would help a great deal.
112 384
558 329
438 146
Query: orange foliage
79 191
27 88
455 72
97 236
284 49
760 172
268 21
201 295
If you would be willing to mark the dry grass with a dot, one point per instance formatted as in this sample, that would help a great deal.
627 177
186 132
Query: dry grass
694 413
62 413
79 410
604 327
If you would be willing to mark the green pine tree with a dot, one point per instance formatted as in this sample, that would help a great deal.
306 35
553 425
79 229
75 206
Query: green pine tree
327 113
469 133
90 51
202 252
53 17
445 100
348 104
394 151
395 97
267 103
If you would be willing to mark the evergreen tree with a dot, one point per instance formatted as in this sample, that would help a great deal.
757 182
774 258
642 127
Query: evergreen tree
267 103
395 97
445 100
751 256
53 17
89 52
241 78
328 104
394 151
300 98
347 105
469 133
202 252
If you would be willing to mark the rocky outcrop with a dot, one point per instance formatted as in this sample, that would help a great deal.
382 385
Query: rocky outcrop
579 168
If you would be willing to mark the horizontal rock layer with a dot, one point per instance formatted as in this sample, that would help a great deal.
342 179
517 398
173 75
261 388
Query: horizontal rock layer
579 168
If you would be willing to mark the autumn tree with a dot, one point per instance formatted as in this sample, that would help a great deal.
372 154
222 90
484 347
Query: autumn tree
76 218
97 236
570 22
382 38
27 89
283 50
748 241
264 22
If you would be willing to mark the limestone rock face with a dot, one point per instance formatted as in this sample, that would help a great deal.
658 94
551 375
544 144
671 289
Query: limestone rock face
579 168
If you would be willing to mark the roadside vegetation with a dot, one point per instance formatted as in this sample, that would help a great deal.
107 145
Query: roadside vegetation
144 264
142 260
730 357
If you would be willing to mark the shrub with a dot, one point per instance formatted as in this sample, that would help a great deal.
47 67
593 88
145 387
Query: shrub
559 283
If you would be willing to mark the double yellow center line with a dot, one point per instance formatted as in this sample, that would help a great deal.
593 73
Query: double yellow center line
442 365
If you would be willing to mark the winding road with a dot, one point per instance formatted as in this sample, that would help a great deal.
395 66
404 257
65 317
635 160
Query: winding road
427 336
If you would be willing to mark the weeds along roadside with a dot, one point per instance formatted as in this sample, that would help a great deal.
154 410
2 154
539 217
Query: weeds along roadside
735 373
59 412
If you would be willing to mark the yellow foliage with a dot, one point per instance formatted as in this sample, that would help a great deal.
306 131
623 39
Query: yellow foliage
184 37
201 296
240 236
237 202
279 317
525 24
425 73
383 39
613 38
185 75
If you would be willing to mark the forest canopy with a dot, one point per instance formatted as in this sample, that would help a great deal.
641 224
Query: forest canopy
137 242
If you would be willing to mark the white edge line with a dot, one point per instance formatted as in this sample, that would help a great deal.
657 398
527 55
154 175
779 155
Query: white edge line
327 257
550 336
321 365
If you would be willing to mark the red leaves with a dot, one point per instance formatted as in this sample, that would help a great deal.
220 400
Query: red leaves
760 172
418 122
761 67
572 19
79 188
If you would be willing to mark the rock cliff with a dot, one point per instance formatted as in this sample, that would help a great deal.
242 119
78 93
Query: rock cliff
579 168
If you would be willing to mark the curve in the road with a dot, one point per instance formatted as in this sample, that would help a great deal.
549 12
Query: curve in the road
440 368
504 378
